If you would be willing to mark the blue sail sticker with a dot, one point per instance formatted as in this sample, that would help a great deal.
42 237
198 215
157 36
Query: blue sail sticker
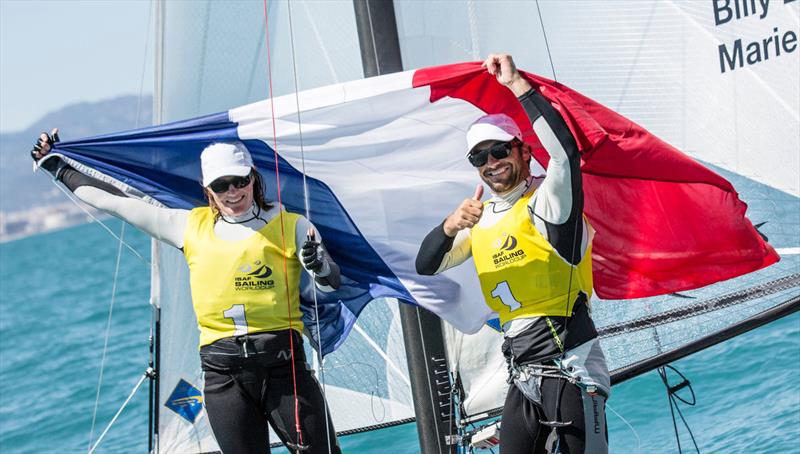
185 400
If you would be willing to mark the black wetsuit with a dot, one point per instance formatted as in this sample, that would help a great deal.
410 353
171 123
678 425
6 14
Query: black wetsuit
249 385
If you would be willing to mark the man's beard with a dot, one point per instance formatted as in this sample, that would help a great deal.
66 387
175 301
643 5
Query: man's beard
506 184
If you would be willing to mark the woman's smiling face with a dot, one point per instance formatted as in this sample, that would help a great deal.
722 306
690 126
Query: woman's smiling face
234 201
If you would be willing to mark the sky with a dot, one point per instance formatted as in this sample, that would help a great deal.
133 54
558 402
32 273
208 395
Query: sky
55 53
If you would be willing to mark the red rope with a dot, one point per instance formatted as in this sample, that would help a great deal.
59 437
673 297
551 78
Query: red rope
283 233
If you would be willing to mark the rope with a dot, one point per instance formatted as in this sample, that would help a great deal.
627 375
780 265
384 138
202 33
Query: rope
635 434
373 395
145 376
283 233
672 396
307 203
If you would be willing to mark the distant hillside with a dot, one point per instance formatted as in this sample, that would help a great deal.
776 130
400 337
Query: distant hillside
20 188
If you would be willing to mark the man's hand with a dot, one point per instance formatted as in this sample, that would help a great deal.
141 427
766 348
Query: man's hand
466 215
312 260
502 67
44 144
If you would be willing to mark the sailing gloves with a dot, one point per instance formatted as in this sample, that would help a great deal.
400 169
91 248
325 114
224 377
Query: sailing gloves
43 144
40 151
314 258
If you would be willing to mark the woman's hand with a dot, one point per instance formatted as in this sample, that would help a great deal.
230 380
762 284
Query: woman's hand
43 145
313 259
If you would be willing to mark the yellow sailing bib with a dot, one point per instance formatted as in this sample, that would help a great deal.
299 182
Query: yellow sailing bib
520 272
239 287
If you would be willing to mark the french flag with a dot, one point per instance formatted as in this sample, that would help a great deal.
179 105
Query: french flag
383 161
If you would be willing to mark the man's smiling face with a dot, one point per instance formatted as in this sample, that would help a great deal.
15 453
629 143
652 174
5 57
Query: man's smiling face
502 175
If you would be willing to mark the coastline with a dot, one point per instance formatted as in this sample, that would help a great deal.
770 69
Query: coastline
16 225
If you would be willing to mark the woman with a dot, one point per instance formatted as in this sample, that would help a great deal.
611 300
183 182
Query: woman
245 257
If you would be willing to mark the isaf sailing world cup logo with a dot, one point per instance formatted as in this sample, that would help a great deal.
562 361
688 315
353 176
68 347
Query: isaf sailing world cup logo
254 276
508 252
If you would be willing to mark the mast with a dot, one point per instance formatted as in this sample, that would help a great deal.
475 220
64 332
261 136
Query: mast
422 331
154 368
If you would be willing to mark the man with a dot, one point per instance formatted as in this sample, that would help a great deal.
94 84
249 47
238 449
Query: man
532 251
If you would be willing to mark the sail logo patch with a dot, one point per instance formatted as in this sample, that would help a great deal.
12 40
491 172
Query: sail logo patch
509 244
254 277
185 400
508 252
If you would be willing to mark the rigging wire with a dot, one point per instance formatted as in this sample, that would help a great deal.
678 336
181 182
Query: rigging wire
107 335
298 430
307 203
546 44
145 376
100 223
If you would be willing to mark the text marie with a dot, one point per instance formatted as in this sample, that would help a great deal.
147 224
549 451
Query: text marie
754 52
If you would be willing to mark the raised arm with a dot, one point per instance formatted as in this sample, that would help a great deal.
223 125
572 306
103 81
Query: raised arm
164 224
557 206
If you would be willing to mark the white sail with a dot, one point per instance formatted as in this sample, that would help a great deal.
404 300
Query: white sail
656 62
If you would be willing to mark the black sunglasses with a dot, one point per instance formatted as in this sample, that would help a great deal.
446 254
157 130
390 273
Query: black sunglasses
221 185
499 151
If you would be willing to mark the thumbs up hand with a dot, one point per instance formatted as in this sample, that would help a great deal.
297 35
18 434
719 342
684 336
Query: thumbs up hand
312 256
466 215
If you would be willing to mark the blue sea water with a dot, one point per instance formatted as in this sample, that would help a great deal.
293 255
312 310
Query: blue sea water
56 289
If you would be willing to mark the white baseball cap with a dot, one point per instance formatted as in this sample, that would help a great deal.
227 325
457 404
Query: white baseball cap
224 159
492 127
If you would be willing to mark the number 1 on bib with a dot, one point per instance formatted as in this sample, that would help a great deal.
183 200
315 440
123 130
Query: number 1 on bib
236 313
